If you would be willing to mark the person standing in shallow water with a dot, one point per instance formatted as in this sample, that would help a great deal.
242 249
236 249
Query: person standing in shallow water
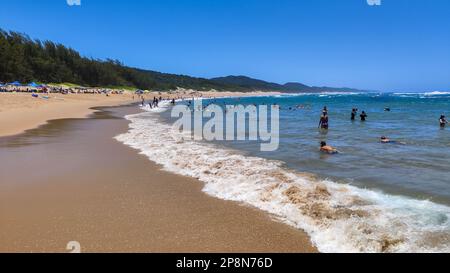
443 121
354 113
323 123
363 116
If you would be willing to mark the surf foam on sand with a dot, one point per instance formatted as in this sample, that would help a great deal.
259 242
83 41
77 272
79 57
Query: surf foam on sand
338 217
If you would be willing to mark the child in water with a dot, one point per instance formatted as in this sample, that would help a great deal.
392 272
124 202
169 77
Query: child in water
327 149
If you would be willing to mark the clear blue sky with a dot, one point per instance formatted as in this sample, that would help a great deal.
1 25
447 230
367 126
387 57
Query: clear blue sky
402 45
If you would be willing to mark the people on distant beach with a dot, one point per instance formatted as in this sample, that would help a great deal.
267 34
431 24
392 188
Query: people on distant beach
354 113
327 149
443 121
363 116
323 123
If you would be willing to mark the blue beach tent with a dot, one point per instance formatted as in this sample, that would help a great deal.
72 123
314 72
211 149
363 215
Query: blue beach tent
16 83
33 84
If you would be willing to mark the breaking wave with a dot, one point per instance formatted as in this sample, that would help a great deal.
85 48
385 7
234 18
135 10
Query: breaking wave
337 217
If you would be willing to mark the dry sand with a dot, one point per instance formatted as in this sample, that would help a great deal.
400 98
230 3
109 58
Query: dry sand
69 180
20 111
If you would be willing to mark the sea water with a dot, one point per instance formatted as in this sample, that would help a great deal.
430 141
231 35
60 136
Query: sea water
372 197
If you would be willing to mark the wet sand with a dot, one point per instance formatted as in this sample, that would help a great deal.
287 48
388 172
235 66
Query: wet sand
69 180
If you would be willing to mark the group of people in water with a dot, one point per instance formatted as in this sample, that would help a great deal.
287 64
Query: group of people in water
155 102
324 120
324 125
152 104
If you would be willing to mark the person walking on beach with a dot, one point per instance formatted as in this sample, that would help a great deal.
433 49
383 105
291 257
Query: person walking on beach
323 123
443 121
363 116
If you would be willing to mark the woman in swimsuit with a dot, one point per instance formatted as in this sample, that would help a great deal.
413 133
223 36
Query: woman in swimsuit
323 123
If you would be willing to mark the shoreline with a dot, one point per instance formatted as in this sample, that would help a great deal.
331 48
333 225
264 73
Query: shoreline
20 112
113 204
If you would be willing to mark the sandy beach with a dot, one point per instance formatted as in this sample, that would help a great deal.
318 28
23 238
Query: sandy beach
20 111
82 185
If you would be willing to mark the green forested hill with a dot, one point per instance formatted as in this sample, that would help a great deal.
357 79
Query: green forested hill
26 60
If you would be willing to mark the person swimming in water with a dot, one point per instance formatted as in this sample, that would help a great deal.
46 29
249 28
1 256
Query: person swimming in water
443 121
323 123
363 116
327 149
387 140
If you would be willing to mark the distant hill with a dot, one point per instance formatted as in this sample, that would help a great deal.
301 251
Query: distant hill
291 87
26 60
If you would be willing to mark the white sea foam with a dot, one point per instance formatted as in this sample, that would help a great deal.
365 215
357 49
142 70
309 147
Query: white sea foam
421 95
436 93
338 217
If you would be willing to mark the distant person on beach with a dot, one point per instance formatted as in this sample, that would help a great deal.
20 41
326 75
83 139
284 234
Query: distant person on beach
363 116
173 102
323 123
354 113
327 149
443 121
